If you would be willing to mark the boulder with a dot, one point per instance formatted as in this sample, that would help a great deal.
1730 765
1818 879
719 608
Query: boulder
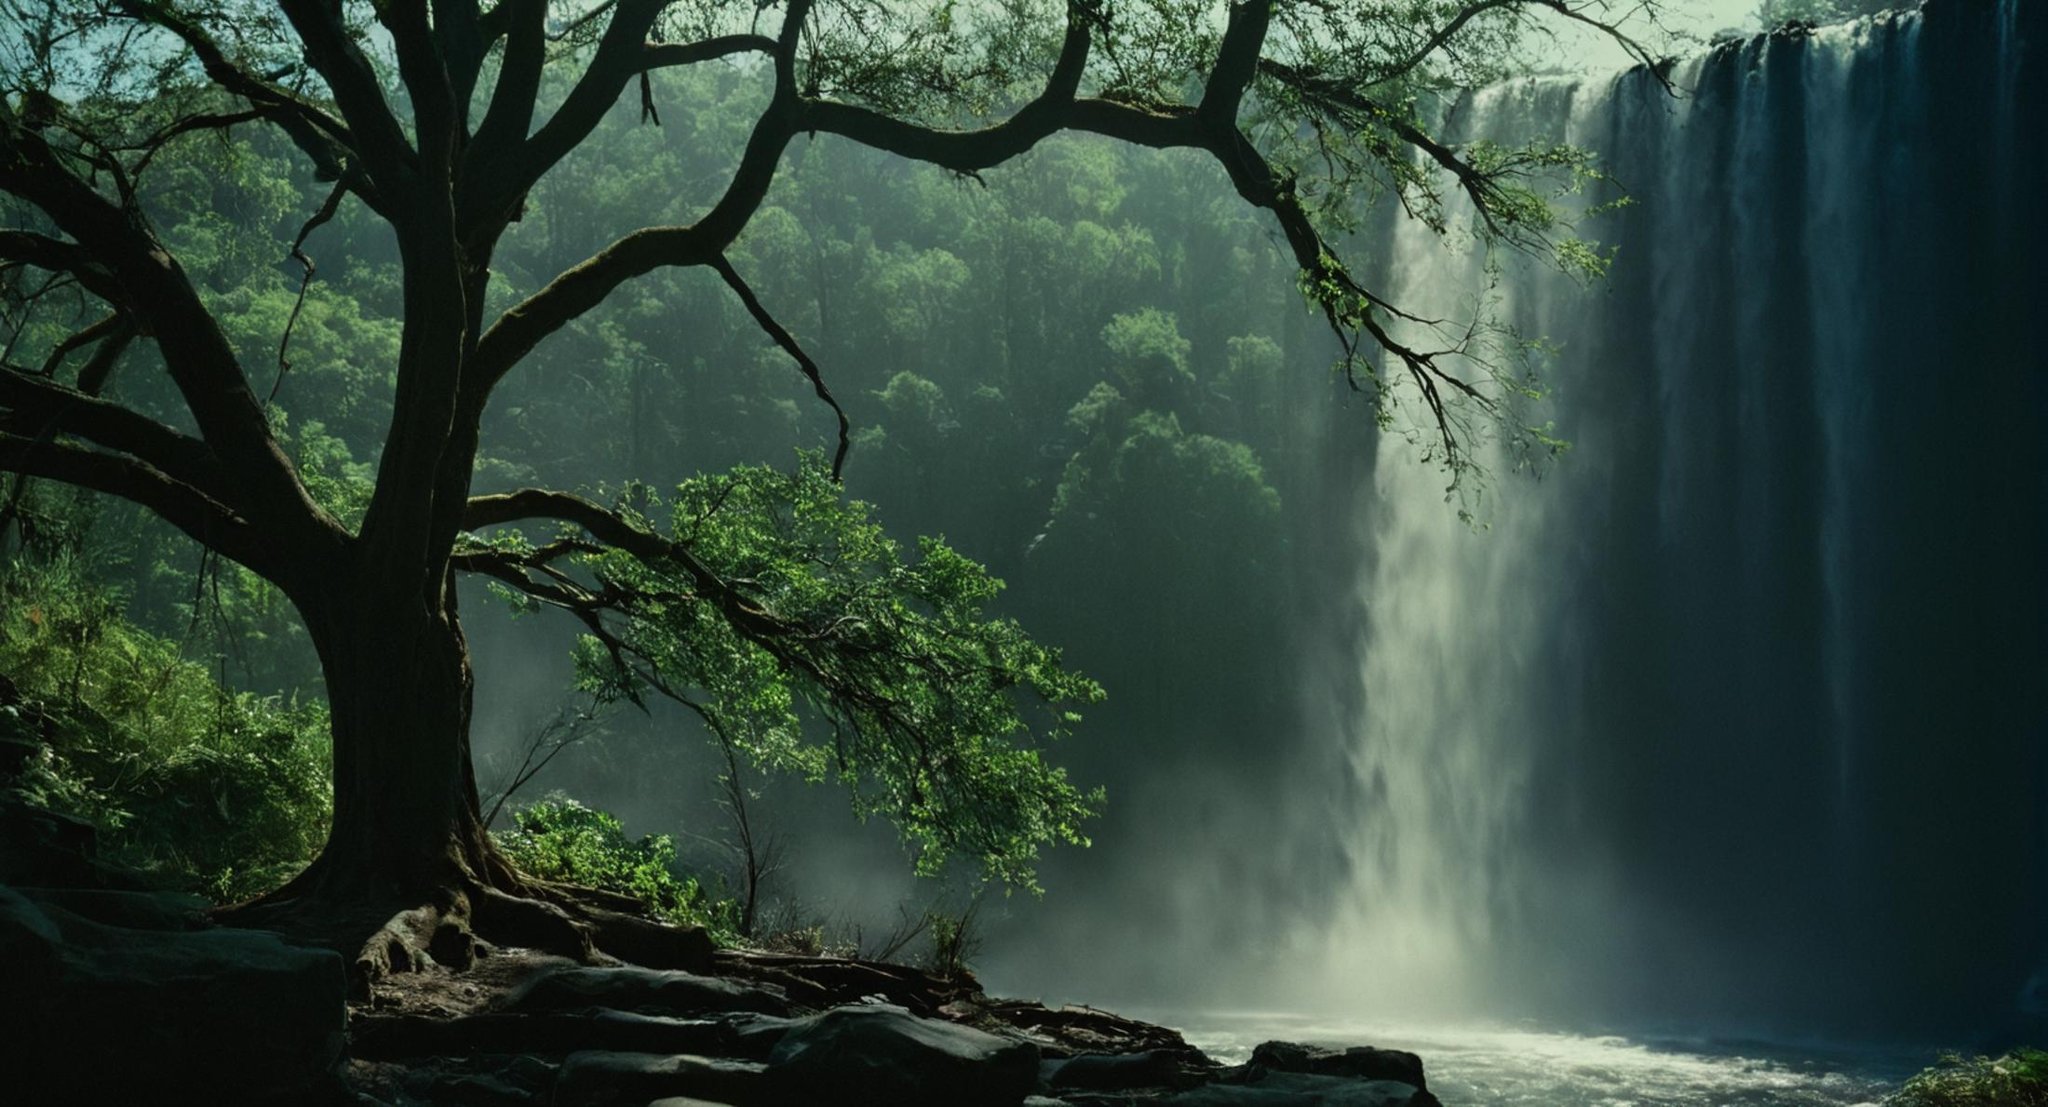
1115 1072
134 910
1357 1062
651 991
92 1013
600 1078
883 1055
754 1037
39 846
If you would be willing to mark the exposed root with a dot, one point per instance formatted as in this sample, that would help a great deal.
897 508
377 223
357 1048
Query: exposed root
406 942
454 921
466 924
511 920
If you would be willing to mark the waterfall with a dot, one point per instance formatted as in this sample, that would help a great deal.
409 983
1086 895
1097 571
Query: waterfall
1737 715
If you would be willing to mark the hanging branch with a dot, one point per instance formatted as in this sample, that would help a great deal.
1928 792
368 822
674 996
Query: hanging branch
789 346
298 254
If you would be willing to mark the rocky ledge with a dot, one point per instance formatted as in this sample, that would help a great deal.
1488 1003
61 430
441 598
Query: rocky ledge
774 1030
115 995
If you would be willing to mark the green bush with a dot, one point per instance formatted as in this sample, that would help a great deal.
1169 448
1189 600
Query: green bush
2018 1079
558 838
206 790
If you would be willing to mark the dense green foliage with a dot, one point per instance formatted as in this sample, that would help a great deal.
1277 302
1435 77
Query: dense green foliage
917 697
2017 1079
204 789
559 839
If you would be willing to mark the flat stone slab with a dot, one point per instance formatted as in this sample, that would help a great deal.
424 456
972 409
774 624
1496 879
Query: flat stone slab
1115 1072
648 991
601 1078
388 1037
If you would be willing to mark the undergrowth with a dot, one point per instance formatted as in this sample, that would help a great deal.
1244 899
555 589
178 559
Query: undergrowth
2018 1079
557 838
202 789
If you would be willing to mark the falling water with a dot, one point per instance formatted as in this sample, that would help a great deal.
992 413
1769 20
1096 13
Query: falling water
1736 717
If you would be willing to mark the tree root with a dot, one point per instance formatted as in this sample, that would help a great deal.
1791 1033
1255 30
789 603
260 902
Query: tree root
452 932
447 923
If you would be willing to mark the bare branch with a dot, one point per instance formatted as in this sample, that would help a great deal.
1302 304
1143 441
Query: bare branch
110 324
376 135
56 256
323 138
582 287
789 346
298 254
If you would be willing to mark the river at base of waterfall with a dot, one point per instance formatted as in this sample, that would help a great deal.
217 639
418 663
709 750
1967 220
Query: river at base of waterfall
1479 1065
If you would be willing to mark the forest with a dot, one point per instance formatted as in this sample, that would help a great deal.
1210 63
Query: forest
586 553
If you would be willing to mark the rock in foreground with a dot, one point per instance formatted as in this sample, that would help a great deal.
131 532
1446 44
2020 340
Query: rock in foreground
92 1013
884 1055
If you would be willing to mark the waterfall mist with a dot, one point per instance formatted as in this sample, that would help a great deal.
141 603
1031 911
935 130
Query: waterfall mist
1736 718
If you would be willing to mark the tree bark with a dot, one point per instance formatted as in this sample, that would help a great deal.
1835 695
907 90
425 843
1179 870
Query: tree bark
406 818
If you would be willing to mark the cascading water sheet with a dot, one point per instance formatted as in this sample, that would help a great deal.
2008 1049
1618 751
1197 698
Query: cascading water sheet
1737 714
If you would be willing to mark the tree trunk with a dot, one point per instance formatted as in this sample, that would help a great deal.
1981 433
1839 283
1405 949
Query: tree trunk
406 820
409 875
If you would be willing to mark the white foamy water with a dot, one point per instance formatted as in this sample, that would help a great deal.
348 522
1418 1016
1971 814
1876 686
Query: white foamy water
1491 1066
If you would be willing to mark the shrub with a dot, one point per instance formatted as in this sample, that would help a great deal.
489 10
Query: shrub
558 838
2018 1079
206 790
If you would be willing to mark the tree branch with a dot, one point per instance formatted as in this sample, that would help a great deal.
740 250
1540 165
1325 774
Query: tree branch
56 256
40 407
206 520
790 346
107 326
582 287
1237 61
150 285
617 531
377 137
323 138
505 167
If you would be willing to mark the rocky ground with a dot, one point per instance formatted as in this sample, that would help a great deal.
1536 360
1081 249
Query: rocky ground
114 994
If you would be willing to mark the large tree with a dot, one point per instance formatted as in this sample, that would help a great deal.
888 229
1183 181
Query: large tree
764 591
